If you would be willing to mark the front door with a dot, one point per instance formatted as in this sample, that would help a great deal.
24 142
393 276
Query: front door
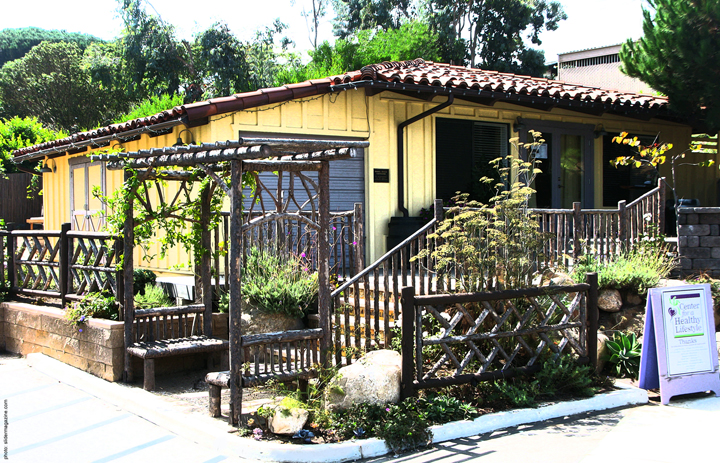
566 164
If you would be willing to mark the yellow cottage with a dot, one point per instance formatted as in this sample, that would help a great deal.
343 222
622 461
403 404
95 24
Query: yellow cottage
432 128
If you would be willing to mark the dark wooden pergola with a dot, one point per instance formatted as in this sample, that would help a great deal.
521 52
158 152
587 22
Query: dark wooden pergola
225 163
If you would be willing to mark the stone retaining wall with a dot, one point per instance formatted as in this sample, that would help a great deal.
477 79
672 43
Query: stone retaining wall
699 240
98 349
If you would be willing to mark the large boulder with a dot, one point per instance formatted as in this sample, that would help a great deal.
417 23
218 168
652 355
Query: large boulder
610 300
373 379
255 321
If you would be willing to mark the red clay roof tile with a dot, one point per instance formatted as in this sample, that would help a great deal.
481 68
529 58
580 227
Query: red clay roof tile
415 72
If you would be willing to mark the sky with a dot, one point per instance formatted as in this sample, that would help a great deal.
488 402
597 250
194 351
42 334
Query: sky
590 23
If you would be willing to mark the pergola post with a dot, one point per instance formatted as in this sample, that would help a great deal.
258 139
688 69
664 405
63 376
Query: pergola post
323 261
205 265
128 297
235 308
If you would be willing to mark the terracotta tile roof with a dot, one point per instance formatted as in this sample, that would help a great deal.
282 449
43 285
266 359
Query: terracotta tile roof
443 75
419 74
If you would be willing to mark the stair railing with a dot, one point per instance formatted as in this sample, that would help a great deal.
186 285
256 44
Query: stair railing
366 307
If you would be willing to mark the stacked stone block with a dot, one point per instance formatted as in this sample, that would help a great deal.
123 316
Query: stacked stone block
98 349
699 240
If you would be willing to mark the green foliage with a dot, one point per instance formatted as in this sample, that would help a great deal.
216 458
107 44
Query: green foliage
559 377
411 40
403 426
355 15
91 305
485 248
279 284
15 43
677 56
173 219
624 355
50 83
16 133
490 33
639 269
220 58
564 376
152 297
141 279
155 61
439 409
151 106
703 279
224 303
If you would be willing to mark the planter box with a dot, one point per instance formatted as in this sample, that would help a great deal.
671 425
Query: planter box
99 349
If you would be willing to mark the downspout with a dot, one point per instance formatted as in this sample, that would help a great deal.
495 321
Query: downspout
401 149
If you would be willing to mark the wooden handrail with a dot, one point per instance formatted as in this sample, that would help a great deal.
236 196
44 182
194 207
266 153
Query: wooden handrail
384 258
637 201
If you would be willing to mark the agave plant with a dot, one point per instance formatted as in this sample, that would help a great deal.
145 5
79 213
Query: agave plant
624 355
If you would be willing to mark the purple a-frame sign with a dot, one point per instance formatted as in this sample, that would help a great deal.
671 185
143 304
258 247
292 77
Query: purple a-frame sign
679 352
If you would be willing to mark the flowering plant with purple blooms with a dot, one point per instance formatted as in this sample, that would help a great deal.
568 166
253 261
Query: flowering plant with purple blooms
91 305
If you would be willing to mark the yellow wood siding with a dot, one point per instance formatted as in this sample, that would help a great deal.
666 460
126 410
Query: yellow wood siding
346 115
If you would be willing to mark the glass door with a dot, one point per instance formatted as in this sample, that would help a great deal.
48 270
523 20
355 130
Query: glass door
566 162
570 181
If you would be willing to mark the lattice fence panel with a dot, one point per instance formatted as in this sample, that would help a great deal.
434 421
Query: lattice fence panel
481 337
37 262
93 260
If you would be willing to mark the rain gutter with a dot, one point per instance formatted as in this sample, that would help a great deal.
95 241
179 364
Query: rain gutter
401 149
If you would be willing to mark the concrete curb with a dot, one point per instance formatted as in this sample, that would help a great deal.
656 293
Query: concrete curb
215 434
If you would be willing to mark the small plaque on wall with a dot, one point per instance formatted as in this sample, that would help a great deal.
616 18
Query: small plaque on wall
381 175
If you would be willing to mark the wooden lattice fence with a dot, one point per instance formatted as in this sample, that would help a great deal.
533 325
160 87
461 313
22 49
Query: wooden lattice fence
61 264
93 264
459 338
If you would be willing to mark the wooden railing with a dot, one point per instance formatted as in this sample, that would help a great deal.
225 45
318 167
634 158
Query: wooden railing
281 356
364 308
601 232
167 323
60 264
490 336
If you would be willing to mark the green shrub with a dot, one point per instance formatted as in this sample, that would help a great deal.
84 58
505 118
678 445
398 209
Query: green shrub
402 426
152 297
638 269
624 355
439 409
565 376
560 376
141 279
278 284
91 305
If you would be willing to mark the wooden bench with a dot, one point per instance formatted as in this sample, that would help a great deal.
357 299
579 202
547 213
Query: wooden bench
170 331
282 356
